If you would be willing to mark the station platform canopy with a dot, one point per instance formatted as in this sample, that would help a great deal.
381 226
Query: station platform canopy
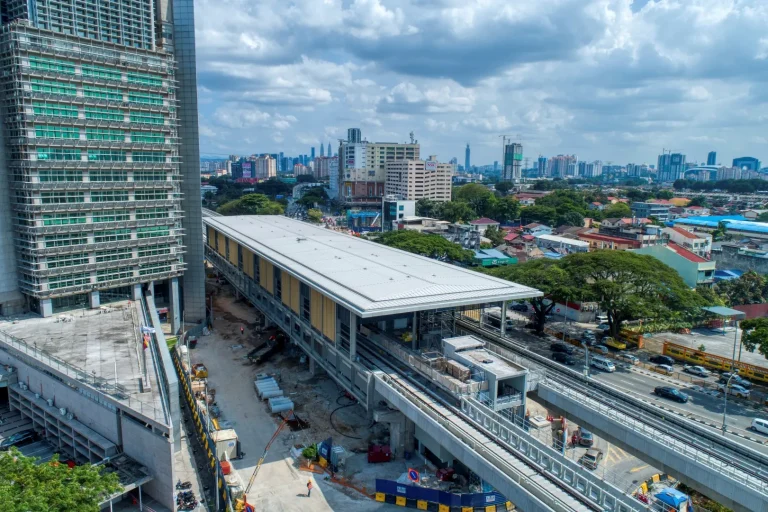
369 279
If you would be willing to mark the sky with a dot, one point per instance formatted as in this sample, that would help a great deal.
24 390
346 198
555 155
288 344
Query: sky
614 80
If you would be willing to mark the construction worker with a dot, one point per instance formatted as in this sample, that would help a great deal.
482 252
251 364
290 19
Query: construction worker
309 488
242 330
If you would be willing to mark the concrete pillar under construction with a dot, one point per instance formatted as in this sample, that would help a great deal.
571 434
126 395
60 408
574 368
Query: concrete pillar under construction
174 311
94 300
46 307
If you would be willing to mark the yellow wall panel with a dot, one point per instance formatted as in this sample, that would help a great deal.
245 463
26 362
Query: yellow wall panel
233 252
295 295
329 319
211 235
221 239
316 310
267 276
248 262
285 288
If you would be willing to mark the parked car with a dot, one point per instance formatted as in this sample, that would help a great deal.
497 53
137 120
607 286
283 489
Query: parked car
601 319
562 357
735 390
585 437
627 358
604 327
737 379
665 368
520 306
671 393
699 371
600 349
613 342
660 359
591 458
561 347
22 438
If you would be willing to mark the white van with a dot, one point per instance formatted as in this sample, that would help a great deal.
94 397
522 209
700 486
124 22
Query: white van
602 363
760 425
601 319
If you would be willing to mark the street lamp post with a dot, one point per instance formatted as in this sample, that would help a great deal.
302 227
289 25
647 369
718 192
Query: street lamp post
733 373
725 400
586 359
565 319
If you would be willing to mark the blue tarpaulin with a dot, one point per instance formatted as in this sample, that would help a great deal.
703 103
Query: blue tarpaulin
672 497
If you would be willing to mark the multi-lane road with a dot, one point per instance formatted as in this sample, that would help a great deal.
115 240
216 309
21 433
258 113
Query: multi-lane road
703 406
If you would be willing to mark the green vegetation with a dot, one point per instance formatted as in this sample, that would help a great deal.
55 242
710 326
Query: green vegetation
545 275
754 335
312 196
314 215
432 246
750 288
733 186
629 286
626 285
52 486
251 204
495 235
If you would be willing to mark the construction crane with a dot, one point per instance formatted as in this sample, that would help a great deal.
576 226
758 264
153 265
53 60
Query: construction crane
242 504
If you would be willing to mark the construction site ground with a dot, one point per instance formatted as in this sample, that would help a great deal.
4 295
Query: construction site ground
618 467
281 484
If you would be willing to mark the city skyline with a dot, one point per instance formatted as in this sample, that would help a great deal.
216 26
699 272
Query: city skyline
604 84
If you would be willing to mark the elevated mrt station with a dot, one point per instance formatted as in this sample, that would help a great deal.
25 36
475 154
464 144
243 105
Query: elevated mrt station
339 297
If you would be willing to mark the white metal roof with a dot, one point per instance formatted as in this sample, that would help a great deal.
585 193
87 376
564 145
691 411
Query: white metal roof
563 240
368 278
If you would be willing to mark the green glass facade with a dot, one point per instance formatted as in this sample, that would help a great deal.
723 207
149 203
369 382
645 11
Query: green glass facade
92 153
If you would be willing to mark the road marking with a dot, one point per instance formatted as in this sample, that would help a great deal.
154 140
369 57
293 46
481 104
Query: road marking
638 468
616 454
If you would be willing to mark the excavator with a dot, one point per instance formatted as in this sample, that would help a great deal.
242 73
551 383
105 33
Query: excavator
242 505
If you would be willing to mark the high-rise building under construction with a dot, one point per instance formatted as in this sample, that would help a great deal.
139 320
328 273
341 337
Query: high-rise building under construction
100 179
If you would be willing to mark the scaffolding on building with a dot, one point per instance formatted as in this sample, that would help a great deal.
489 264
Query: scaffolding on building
78 110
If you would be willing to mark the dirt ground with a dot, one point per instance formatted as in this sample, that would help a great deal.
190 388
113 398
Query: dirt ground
280 485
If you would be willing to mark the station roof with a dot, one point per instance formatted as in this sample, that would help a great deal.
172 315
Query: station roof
368 278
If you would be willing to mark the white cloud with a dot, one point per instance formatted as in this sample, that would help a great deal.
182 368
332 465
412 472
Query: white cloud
608 79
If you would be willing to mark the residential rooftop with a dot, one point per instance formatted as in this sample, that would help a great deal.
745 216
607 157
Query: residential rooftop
368 278
102 348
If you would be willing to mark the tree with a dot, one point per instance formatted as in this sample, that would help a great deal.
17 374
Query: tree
251 204
698 201
495 235
428 208
314 215
630 286
710 296
52 486
763 217
305 178
312 196
208 196
543 214
664 194
750 288
432 246
506 209
546 275
617 211
721 232
572 218
477 196
504 187
454 211
754 335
